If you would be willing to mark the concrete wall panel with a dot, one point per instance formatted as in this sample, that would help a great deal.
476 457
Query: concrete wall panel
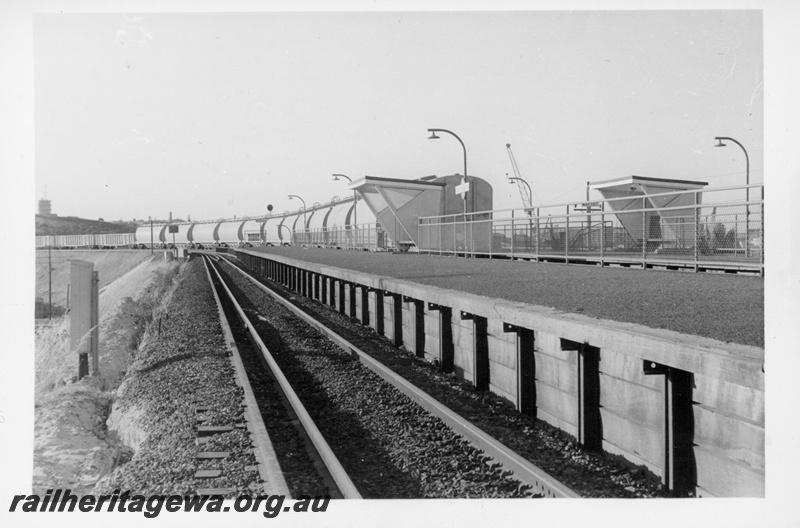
388 317
504 379
628 368
550 344
724 477
557 403
409 326
557 421
636 403
735 438
729 398
503 352
557 373
639 440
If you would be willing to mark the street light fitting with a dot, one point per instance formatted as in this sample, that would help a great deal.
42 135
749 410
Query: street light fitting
355 195
433 132
305 219
295 196
747 186
720 143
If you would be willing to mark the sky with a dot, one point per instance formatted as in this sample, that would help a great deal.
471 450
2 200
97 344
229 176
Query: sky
220 114
132 108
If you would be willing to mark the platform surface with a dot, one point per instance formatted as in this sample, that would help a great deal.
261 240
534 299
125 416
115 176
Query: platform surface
728 308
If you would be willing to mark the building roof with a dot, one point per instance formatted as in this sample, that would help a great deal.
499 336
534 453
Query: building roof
659 182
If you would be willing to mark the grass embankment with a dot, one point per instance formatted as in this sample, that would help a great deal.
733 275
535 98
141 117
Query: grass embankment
72 447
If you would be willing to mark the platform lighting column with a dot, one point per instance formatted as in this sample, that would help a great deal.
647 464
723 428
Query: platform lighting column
151 233
511 180
747 189
305 226
355 197
588 218
433 135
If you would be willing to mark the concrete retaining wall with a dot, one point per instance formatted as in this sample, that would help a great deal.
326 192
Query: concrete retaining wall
689 409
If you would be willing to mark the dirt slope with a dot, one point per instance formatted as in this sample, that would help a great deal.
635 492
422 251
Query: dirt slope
111 264
72 446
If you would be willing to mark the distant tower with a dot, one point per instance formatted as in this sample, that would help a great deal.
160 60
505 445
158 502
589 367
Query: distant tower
45 207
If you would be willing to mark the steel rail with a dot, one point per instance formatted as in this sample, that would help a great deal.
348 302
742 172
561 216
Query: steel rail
332 464
523 470
269 468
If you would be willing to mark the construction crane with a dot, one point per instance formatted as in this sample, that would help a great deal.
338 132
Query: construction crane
522 185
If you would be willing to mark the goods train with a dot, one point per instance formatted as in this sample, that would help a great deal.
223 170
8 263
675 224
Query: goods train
329 223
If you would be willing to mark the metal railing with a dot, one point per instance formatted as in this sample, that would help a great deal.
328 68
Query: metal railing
726 232
370 237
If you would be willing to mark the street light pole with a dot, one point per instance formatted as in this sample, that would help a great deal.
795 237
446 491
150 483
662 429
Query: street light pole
511 181
747 189
433 132
529 212
355 196
304 209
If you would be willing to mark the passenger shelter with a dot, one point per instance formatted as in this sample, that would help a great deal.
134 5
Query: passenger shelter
672 221
398 204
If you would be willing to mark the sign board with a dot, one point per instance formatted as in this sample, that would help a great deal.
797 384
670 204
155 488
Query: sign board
588 206
254 237
173 229
463 188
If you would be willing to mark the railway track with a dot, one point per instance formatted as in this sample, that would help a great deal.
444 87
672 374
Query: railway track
255 367
387 437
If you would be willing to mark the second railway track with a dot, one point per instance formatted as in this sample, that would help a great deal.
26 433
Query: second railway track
393 440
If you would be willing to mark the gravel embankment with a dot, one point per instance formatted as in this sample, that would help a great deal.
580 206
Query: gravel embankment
389 445
589 473
723 307
184 365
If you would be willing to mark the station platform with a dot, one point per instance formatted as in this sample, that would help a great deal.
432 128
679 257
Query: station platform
727 308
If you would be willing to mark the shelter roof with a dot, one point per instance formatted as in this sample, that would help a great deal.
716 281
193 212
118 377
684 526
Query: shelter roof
618 184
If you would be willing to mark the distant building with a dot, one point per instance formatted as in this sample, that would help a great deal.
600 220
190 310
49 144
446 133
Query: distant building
45 207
